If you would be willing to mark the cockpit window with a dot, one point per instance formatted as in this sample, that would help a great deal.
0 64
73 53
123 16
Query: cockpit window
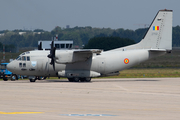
67 45
62 45
24 58
23 54
18 58
27 52
28 58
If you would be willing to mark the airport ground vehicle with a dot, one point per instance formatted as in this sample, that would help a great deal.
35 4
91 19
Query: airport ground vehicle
5 74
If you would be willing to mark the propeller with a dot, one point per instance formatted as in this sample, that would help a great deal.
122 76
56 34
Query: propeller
40 46
52 54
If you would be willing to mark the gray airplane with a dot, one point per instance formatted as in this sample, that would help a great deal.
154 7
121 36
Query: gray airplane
82 65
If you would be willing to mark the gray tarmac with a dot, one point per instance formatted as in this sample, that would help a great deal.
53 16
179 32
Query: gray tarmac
101 99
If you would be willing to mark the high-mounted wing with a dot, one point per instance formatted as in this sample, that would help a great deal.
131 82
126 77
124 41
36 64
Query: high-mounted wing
72 56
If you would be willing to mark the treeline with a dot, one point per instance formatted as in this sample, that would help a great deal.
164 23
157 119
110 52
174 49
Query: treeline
108 43
79 35
8 48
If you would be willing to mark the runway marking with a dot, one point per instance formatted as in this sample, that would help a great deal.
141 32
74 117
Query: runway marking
86 115
20 112
146 93
122 88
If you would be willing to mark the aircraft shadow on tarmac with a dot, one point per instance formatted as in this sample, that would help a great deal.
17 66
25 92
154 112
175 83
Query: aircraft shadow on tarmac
100 80
93 80
119 80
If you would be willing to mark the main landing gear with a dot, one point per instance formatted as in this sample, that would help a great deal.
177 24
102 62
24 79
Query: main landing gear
34 78
77 79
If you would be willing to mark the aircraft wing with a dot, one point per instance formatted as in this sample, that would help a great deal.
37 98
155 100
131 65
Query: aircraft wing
74 56
97 51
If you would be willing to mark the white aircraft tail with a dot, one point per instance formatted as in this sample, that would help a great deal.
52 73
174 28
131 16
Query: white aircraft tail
159 34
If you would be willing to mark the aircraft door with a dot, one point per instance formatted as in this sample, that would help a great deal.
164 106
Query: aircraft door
41 67
24 64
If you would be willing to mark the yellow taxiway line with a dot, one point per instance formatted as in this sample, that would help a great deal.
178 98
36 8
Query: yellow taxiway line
19 112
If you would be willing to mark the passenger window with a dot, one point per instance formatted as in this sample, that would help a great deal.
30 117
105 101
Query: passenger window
20 64
62 45
28 58
24 64
57 45
70 46
24 58
67 45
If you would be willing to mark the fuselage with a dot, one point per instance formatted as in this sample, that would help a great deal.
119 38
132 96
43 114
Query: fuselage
36 63
84 64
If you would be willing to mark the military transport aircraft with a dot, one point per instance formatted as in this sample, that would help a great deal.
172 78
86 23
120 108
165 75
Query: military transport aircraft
82 65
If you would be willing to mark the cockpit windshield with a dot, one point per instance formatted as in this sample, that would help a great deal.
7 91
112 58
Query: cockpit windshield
18 58
23 58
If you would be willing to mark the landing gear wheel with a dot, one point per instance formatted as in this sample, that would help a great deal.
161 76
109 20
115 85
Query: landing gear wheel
41 78
70 79
32 80
13 77
82 79
76 79
88 79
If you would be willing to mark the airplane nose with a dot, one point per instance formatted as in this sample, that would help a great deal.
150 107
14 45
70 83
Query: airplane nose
9 67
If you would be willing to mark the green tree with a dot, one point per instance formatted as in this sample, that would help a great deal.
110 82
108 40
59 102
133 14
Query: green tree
108 43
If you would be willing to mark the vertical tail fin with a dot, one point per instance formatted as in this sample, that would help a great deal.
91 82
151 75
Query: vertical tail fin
159 34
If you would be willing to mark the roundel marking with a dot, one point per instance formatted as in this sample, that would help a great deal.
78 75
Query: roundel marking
126 60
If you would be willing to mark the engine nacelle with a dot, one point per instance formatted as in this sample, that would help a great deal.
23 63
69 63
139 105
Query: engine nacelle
78 73
66 57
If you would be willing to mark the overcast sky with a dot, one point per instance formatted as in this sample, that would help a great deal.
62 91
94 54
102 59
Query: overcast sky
47 14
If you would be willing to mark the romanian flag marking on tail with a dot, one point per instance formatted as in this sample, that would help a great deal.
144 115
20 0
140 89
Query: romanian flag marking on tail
155 27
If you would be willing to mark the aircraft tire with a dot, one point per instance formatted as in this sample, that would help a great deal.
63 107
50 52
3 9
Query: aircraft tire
41 78
88 79
76 79
70 79
82 79
32 80
13 77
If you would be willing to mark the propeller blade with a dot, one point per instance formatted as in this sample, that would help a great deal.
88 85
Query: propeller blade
54 66
52 54
40 46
